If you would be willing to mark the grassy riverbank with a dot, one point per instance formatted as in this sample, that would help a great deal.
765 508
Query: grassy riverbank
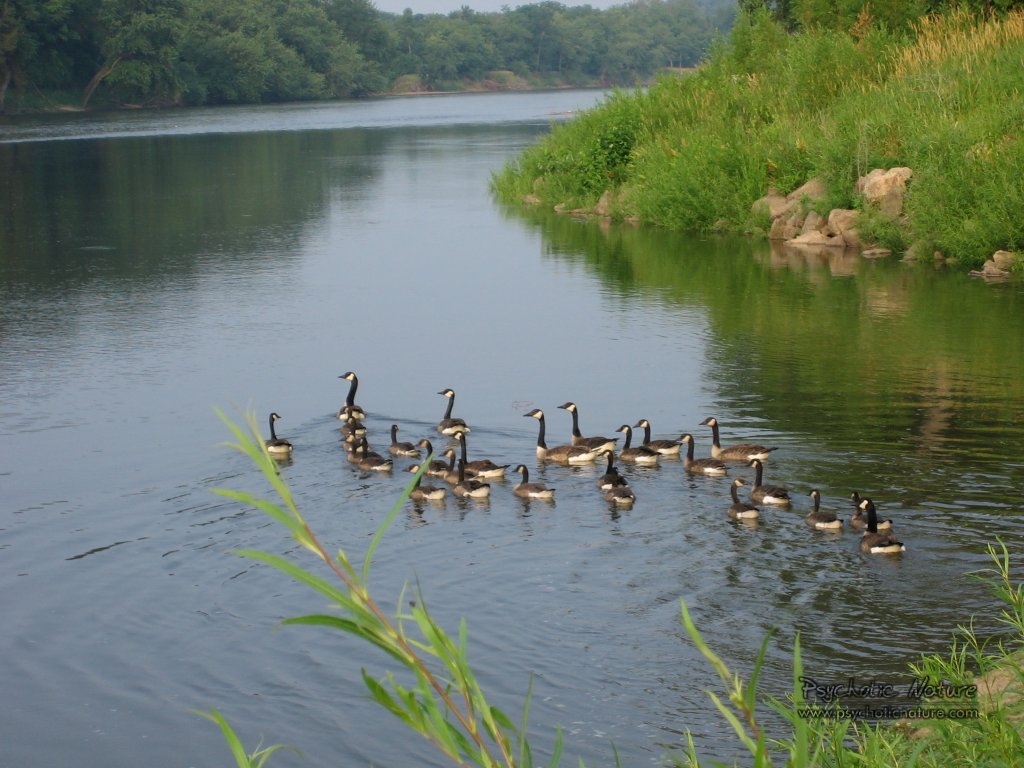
770 110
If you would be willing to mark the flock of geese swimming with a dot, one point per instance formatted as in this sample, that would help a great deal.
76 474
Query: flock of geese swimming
468 478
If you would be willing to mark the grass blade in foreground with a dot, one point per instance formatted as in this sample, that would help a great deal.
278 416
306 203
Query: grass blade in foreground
444 703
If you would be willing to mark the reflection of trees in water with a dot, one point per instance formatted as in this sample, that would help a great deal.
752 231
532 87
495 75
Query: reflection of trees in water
152 206
824 342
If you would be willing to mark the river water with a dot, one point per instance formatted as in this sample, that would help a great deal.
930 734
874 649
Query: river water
155 266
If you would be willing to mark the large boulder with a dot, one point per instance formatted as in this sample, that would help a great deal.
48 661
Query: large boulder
773 204
813 190
604 205
885 189
778 229
814 238
776 205
842 223
811 223
1005 259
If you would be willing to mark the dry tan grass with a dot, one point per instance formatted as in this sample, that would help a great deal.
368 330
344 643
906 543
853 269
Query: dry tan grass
957 35
1002 686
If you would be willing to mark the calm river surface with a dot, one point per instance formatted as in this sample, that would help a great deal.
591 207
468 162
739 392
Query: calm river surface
154 266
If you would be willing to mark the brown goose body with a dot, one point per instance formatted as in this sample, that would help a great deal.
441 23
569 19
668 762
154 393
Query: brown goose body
277 447
451 474
450 425
595 443
741 510
401 448
611 477
664 447
859 520
767 494
620 495
436 467
470 488
422 491
371 460
740 452
819 518
635 454
528 490
563 454
705 466
873 541
351 430
350 410
479 467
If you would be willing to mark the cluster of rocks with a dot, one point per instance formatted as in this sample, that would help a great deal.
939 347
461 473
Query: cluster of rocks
999 267
795 222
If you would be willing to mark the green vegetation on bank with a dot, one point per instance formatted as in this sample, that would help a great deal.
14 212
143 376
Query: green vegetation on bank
967 707
974 696
771 109
193 52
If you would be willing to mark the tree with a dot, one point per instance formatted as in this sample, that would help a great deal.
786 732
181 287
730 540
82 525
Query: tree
363 26
140 45
238 51
30 31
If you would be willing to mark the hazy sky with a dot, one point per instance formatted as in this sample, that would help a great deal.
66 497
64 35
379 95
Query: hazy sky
483 6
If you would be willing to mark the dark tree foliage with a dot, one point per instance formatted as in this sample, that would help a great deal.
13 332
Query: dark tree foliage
154 52
230 51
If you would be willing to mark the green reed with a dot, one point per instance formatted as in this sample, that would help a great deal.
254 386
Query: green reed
444 702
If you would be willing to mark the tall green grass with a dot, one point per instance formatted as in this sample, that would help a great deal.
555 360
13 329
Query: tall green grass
772 110
434 692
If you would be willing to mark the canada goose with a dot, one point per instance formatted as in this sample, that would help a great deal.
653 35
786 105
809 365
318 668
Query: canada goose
611 478
355 453
565 454
740 510
528 490
620 495
706 466
370 460
422 492
741 452
592 443
277 447
436 467
350 410
819 518
855 499
351 430
767 494
664 447
480 467
871 541
448 425
451 474
468 488
859 520
401 449
637 454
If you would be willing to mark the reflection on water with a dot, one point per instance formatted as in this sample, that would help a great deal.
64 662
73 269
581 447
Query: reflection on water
144 280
